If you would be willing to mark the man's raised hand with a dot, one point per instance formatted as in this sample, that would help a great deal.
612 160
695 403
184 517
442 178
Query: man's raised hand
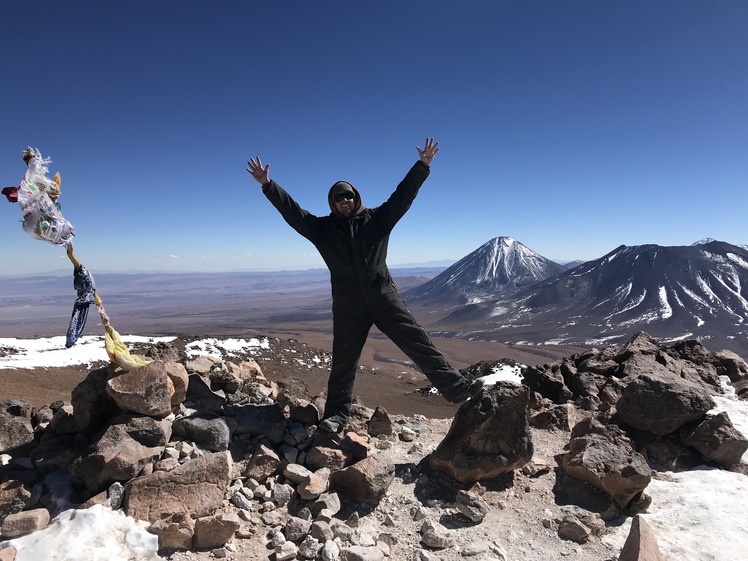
429 150
255 169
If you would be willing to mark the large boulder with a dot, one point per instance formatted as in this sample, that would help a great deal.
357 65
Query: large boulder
600 454
195 488
490 436
92 405
146 390
548 381
662 406
716 439
116 456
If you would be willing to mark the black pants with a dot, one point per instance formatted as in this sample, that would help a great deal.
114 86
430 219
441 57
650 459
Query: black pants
353 316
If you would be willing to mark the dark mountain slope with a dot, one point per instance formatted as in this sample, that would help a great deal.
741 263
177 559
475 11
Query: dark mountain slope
671 292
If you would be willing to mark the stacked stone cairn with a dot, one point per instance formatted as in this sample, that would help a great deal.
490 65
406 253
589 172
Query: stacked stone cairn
210 453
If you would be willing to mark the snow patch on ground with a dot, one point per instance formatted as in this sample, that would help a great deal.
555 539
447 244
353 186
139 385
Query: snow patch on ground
49 352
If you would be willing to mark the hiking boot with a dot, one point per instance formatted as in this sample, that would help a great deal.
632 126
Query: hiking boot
331 425
472 389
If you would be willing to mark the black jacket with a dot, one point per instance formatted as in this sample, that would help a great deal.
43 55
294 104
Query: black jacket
355 249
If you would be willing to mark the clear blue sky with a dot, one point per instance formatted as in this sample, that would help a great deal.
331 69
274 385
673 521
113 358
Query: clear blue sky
572 126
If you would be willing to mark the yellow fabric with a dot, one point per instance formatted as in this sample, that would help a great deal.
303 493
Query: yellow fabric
119 354
115 348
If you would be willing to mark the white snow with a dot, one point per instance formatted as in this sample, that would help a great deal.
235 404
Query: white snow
94 534
665 310
737 259
633 304
220 347
50 351
504 373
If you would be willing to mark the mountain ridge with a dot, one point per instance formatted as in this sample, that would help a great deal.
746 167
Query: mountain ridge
674 292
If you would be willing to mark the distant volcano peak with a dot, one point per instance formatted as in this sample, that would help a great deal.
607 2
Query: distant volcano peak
499 266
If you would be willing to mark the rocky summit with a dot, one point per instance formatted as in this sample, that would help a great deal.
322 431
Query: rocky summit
223 463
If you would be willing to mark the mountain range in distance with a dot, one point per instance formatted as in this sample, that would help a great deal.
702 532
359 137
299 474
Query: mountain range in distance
506 292
503 292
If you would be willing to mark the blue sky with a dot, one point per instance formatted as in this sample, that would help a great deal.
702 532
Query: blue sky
572 126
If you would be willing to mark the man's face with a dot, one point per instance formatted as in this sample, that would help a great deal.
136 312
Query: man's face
345 202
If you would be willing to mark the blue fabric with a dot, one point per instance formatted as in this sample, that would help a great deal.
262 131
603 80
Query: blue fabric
83 283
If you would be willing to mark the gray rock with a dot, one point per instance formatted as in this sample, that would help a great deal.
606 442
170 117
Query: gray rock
321 531
15 420
63 421
175 531
196 488
115 495
326 501
602 456
286 551
296 528
240 500
330 551
296 473
489 436
23 523
146 390
282 493
259 420
662 406
641 543
309 548
116 456
92 405
13 497
215 531
436 540
472 505
263 463
146 430
571 528
200 394
361 553
717 439
206 429
366 481
380 423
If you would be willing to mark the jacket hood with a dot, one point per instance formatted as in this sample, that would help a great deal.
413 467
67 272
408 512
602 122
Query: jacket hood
344 187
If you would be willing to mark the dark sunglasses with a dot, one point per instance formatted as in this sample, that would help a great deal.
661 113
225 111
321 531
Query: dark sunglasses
347 196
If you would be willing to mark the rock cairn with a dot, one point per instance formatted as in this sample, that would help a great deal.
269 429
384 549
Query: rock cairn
212 454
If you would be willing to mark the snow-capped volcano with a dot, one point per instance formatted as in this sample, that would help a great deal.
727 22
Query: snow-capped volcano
698 291
496 268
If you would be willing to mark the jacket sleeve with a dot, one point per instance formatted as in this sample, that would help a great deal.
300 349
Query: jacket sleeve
391 211
299 219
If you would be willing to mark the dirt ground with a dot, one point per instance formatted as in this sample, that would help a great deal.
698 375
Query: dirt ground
385 378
